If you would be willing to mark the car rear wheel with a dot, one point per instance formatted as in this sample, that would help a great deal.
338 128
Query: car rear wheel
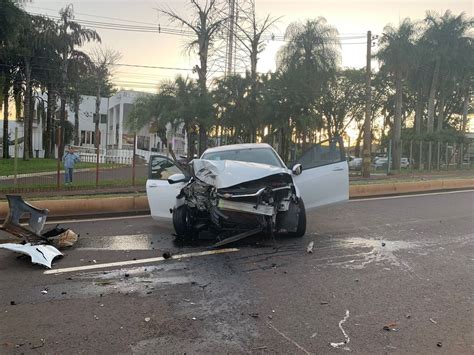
301 230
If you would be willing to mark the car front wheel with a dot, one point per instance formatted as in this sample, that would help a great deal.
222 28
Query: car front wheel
301 230
182 222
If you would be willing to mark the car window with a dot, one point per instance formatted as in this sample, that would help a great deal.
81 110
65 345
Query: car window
324 153
251 155
161 168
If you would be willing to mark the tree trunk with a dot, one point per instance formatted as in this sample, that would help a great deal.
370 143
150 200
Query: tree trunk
202 138
439 126
358 142
397 126
52 137
76 119
62 125
49 121
431 99
465 109
6 97
30 123
97 117
418 111
26 111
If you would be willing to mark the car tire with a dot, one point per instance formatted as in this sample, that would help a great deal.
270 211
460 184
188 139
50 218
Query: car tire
181 222
301 230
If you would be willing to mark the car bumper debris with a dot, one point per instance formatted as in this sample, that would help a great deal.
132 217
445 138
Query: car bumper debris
41 246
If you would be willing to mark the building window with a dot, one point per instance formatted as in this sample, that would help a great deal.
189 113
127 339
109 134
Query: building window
103 118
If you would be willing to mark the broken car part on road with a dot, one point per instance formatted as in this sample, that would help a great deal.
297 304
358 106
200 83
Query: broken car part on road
41 247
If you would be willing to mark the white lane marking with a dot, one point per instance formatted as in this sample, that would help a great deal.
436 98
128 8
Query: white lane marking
406 196
140 261
97 219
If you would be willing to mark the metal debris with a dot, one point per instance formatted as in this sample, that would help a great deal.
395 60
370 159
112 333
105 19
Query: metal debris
40 246
433 321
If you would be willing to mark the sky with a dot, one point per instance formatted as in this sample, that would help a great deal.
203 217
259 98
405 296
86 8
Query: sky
350 17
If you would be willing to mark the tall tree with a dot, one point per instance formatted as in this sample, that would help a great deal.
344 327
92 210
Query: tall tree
396 50
102 61
70 36
309 59
445 35
206 21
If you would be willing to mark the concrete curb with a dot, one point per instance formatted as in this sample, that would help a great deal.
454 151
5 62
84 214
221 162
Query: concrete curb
139 204
386 189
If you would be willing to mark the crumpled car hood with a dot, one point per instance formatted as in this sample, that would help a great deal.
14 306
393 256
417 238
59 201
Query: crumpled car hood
226 173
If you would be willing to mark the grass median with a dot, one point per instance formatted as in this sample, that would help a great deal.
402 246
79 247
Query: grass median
40 165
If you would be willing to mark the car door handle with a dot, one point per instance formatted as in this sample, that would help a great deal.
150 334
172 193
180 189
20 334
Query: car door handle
338 169
152 185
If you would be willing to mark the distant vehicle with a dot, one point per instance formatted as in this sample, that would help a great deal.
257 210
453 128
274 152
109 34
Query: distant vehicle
354 163
383 162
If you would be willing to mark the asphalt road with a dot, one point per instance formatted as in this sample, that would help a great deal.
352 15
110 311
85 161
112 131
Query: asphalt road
405 263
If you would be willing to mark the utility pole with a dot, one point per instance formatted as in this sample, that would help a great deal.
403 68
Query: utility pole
368 113
230 38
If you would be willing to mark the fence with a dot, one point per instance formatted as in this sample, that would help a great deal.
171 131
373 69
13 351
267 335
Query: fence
428 156
112 168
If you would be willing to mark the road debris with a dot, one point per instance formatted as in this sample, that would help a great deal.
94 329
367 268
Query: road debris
12 303
343 345
39 345
167 255
391 327
439 344
40 246
433 321
309 248
254 315
45 291
324 302
147 319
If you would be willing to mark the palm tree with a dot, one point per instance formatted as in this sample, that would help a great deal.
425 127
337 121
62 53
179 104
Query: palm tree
308 60
445 34
70 35
396 53
207 20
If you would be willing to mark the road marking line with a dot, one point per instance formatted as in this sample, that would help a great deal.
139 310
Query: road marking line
405 196
140 261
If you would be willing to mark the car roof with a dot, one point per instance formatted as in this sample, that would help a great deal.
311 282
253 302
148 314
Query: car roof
237 147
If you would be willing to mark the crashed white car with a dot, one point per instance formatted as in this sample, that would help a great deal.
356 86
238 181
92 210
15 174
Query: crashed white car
238 190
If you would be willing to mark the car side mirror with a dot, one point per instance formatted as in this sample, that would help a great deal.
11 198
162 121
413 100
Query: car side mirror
175 178
297 169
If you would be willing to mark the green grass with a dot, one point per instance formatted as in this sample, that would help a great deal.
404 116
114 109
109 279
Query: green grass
79 185
39 166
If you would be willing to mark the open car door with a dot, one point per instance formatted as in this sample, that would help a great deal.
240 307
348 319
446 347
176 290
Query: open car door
325 176
161 194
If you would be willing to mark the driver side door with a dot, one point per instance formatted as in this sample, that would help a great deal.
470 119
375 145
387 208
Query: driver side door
325 176
160 193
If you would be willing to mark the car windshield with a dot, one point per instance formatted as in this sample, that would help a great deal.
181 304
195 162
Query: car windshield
251 155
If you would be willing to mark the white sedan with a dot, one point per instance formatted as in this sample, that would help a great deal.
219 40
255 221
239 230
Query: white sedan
243 189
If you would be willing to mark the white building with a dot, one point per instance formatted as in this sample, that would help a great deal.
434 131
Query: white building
115 137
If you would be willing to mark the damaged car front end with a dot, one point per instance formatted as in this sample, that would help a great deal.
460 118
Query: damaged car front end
234 199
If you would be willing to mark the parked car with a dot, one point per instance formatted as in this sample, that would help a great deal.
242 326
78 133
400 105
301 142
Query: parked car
383 162
244 189
354 163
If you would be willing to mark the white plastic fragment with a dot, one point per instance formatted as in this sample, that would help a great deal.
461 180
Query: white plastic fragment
309 248
343 345
40 254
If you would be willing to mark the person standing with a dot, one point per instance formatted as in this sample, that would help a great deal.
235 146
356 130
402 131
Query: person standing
70 159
